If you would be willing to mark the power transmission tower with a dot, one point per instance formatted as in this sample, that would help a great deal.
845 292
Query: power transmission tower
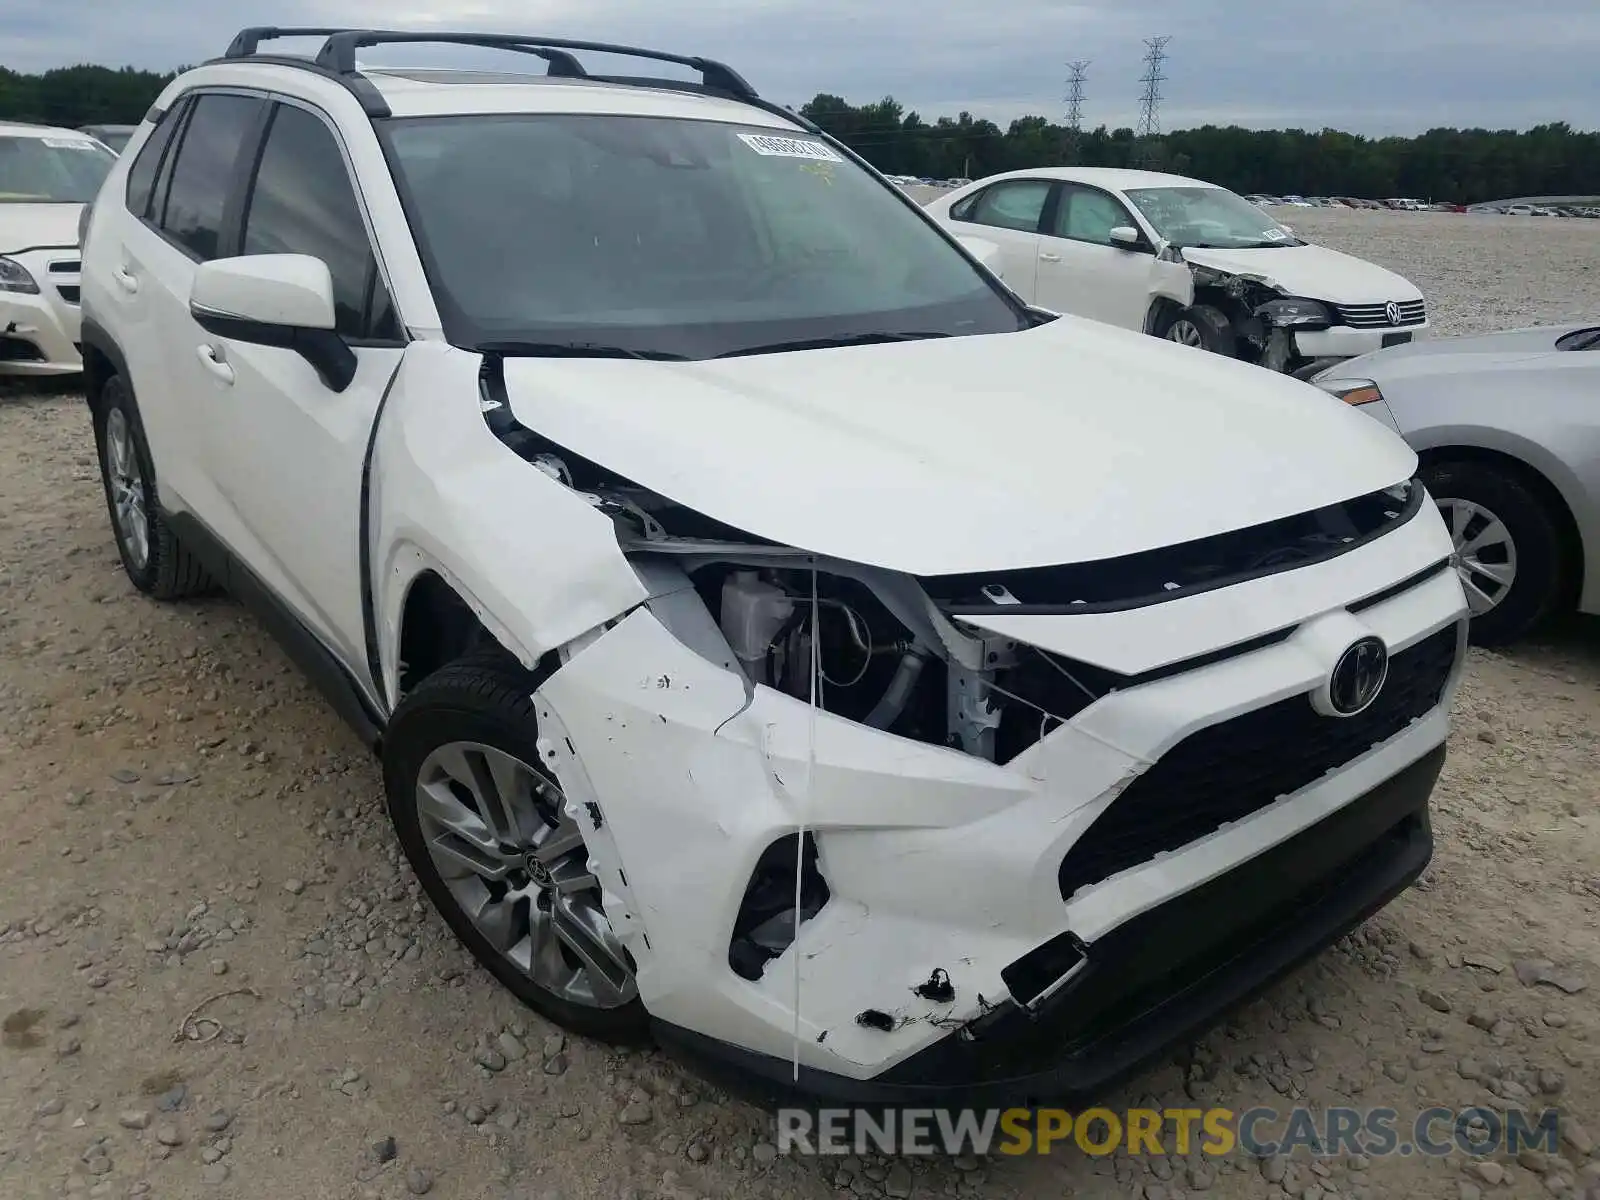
1077 73
1150 102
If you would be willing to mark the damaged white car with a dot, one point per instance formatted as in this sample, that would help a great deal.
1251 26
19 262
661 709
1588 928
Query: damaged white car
1184 260
780 641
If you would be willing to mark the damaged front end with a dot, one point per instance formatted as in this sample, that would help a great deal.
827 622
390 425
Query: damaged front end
850 817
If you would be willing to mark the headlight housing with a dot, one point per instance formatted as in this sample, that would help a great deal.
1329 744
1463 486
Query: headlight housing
1351 391
1294 312
14 277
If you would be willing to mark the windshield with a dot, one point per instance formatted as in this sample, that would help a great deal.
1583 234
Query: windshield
52 170
1209 217
672 238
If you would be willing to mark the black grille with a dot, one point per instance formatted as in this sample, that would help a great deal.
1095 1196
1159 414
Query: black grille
1376 316
13 349
63 266
69 292
1227 771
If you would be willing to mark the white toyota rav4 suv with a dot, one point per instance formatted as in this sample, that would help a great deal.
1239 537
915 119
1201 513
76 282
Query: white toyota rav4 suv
779 640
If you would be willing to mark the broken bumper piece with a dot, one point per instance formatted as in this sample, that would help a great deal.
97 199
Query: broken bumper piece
946 896
1150 984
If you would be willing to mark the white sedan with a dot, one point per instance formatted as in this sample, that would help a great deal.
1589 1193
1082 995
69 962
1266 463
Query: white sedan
1181 259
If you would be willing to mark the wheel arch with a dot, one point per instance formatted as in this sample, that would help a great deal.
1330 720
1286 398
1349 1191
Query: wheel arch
438 623
1572 547
102 358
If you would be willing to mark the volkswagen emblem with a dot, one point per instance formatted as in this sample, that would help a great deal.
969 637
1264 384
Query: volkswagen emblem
1358 677
1391 310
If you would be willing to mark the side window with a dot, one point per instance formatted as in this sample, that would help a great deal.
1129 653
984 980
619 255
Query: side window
301 202
203 171
142 174
1015 204
1087 215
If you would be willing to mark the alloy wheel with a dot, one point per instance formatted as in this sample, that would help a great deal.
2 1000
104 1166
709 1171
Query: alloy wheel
1485 557
1186 333
125 481
496 831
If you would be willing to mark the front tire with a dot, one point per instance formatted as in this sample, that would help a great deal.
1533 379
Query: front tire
484 828
155 560
1508 549
1204 328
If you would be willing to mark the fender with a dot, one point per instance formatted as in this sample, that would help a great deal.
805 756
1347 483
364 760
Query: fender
536 563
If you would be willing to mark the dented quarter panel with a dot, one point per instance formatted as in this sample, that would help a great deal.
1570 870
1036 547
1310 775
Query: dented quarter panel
537 564
934 859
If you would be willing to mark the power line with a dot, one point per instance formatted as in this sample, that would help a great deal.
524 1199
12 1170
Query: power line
1155 56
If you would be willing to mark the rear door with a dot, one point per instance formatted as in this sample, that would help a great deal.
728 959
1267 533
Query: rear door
1010 214
185 223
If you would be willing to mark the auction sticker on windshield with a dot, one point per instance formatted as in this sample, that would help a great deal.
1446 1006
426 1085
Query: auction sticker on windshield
68 143
783 147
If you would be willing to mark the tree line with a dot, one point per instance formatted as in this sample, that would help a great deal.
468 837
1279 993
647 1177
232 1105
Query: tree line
1462 165
1458 165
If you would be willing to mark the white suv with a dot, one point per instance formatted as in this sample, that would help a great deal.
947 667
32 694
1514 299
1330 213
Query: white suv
777 637
47 175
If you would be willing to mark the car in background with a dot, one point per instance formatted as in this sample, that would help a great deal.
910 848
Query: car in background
47 175
1520 210
114 137
1183 260
1508 434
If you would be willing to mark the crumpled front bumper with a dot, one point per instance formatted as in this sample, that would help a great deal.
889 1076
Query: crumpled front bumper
39 331
943 866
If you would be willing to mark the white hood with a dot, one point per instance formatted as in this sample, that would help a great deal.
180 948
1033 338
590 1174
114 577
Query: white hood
1312 272
1070 442
38 226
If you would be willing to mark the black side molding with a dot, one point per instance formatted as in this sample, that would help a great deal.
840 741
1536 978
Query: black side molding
298 642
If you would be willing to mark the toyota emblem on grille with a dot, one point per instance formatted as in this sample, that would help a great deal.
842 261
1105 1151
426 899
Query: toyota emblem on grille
1358 677
1391 310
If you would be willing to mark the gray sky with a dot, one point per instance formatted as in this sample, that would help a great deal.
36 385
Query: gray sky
1371 66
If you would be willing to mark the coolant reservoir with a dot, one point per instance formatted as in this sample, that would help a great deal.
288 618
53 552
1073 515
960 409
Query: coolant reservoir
753 612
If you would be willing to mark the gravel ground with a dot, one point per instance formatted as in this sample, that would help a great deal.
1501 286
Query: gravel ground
218 979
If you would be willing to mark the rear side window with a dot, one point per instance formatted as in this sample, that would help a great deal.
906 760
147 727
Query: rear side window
204 170
302 203
142 174
1015 204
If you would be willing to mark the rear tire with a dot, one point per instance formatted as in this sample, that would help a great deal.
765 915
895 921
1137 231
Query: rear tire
1205 328
1509 551
155 560
482 825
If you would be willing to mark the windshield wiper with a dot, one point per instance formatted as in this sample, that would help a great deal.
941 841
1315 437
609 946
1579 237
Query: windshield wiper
830 343
574 350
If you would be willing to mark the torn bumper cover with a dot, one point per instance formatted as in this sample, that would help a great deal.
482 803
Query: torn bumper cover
1011 932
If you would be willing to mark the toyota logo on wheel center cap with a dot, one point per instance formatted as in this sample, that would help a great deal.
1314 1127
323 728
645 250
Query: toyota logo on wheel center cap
1358 677
1391 310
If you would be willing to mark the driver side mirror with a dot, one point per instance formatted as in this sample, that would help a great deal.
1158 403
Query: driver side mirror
281 300
1125 236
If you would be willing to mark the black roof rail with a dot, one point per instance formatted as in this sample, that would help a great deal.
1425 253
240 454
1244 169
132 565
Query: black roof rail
337 59
339 53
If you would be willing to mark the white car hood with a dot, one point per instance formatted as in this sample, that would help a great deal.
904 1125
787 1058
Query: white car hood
1313 272
36 226
1070 442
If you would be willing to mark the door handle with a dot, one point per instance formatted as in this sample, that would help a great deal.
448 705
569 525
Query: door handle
211 358
126 280
1048 257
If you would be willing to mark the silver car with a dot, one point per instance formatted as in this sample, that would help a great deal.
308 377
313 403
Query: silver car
1507 427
